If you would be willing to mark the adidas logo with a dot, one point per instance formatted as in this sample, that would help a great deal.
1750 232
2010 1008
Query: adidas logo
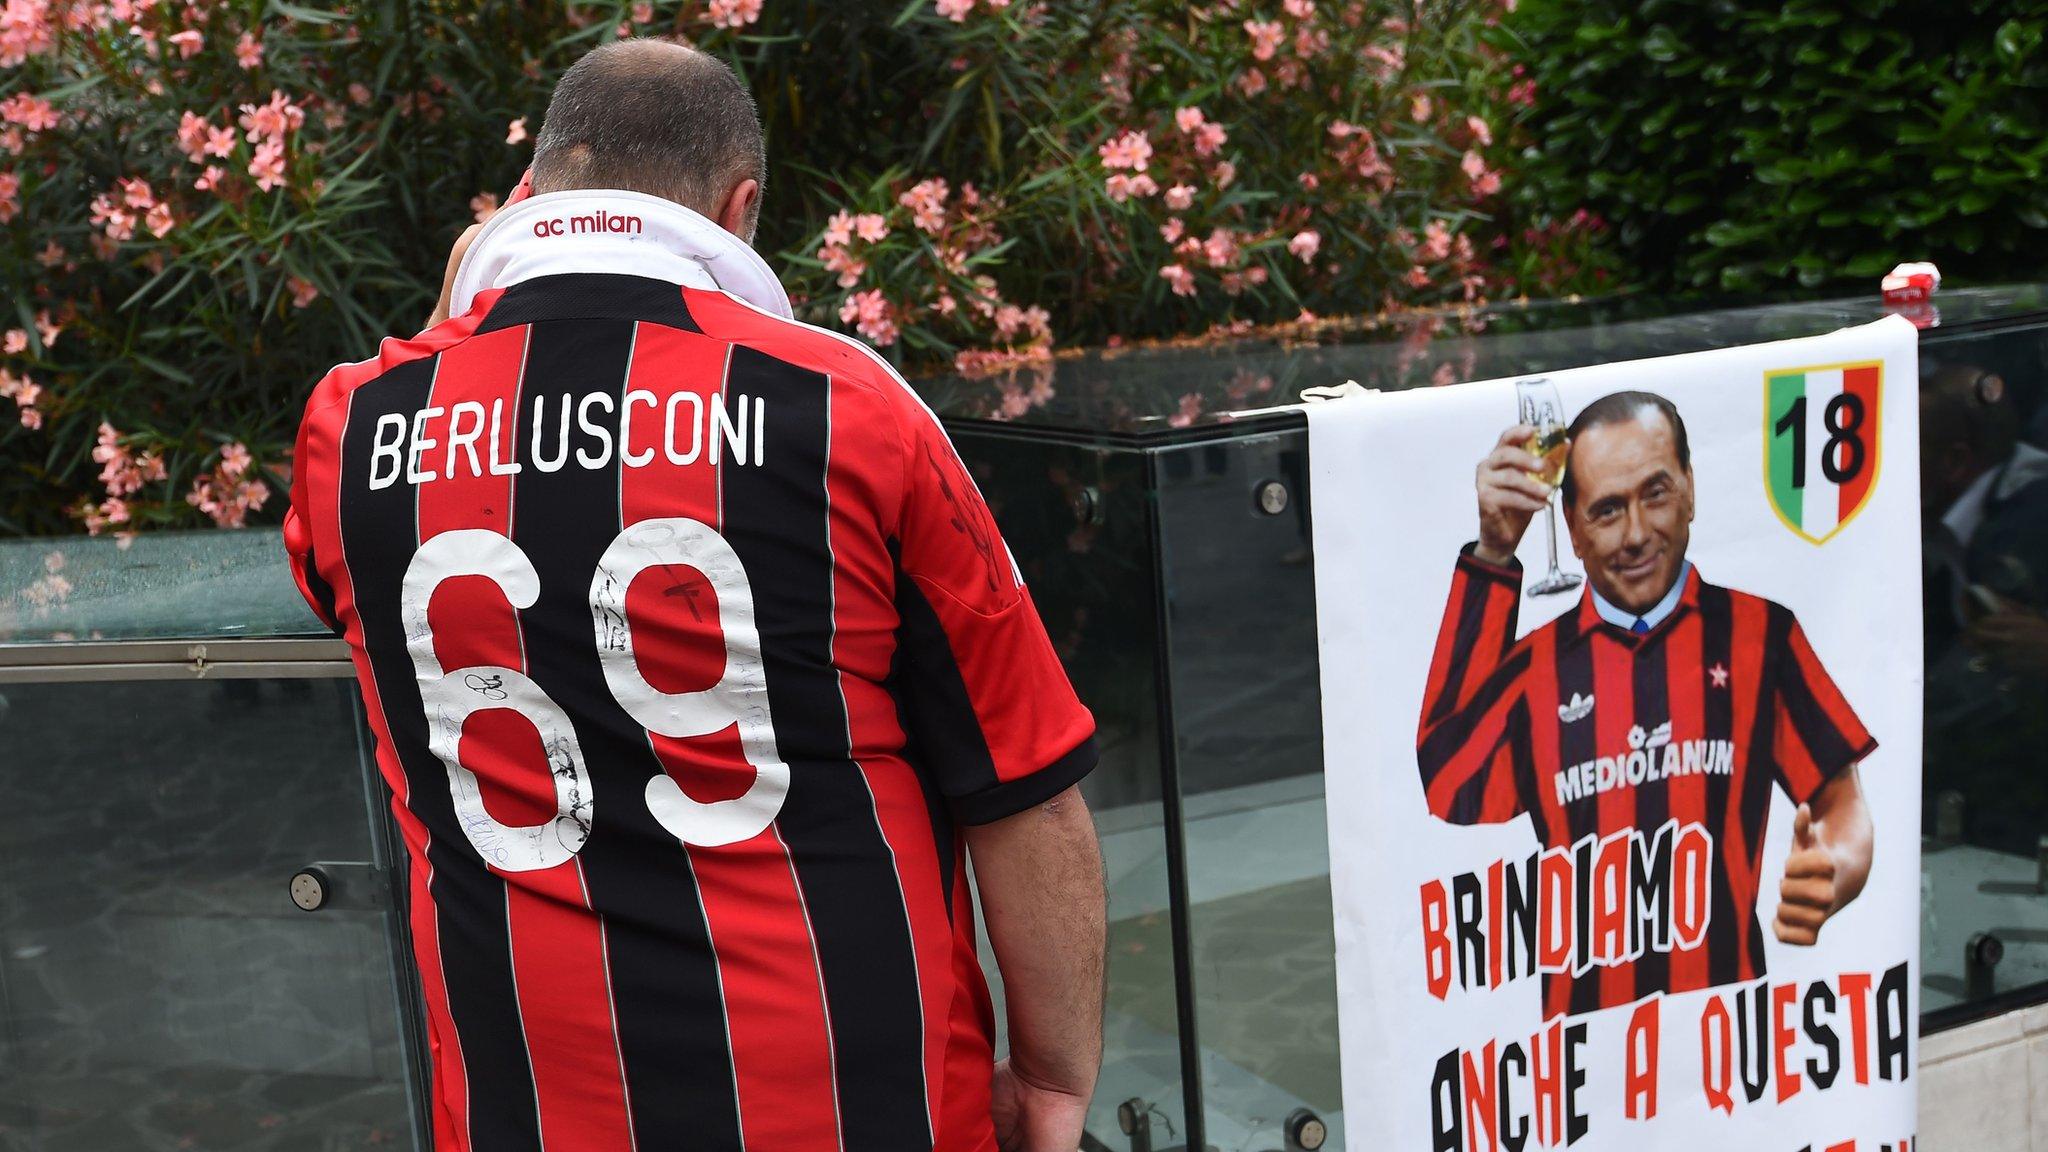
1579 708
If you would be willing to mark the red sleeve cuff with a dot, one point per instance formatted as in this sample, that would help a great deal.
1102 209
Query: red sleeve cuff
1509 573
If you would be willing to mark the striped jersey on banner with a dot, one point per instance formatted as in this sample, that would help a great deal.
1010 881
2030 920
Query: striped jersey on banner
1645 762
1822 444
688 645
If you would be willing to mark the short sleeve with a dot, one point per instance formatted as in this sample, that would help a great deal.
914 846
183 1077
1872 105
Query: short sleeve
991 717
1815 735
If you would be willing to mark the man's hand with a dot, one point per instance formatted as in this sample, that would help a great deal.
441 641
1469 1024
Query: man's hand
455 255
1509 495
1832 844
1031 1118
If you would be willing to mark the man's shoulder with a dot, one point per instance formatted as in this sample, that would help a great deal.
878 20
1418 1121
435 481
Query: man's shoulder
395 352
727 318
1747 603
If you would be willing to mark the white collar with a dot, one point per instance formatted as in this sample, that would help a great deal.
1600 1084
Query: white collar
1623 619
612 230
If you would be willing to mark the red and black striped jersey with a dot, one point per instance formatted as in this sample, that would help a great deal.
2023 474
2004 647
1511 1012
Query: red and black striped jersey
688 645
1645 762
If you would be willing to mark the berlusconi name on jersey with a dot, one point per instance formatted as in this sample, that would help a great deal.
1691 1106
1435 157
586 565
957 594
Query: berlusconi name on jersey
467 439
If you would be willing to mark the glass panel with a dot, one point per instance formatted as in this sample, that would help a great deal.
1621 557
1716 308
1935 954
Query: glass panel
1162 393
1076 520
1241 595
1984 480
158 987
159 585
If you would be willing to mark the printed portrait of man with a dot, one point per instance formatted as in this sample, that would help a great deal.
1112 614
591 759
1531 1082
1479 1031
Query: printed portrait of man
1660 705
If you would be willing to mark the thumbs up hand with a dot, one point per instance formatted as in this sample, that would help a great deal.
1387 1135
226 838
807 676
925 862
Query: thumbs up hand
1806 896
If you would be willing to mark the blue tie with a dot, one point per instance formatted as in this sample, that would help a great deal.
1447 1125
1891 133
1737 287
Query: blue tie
1640 626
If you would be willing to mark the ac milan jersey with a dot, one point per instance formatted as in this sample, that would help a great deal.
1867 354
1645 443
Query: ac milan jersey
688 644
1645 762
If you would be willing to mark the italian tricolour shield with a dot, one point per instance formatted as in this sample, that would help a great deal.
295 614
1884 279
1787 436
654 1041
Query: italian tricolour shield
1821 444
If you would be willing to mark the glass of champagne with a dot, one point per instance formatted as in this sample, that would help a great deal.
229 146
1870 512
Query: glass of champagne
1543 411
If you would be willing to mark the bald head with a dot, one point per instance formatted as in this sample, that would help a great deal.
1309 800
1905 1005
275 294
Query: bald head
659 118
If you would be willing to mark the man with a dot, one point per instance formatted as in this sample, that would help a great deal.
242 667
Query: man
698 671
1642 731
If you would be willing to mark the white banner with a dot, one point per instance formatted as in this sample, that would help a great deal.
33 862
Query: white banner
1624 832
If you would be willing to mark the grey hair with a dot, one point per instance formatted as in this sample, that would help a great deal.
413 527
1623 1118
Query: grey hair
654 117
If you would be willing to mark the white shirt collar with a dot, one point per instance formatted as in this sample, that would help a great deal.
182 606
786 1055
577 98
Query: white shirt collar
612 230
1625 620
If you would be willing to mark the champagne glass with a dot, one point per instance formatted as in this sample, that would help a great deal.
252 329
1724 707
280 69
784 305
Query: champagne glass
1542 410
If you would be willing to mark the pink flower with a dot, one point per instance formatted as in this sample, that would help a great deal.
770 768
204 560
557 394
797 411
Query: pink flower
1172 230
234 460
159 220
189 43
358 94
1420 109
1220 248
117 222
1436 241
1182 280
1226 174
10 191
1128 150
219 141
1418 277
1252 82
114 510
927 203
516 131
192 130
1266 36
1209 139
210 178
1180 197
31 418
1190 407
272 120
249 52
1300 9
1389 61
15 342
869 312
955 10
733 13
32 113
1306 244
52 254
871 227
483 206
1479 130
136 194
837 259
1121 187
839 229
47 328
643 12
1187 119
268 165
303 292
1310 43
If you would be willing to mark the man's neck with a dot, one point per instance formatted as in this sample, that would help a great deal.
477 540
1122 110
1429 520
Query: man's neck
1656 614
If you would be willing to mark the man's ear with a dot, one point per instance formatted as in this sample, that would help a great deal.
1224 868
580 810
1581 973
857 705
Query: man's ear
740 210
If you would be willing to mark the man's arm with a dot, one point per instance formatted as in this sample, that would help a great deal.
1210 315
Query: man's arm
1832 846
1039 873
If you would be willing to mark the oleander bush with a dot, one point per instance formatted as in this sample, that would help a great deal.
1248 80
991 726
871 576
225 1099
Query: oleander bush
205 205
1742 145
